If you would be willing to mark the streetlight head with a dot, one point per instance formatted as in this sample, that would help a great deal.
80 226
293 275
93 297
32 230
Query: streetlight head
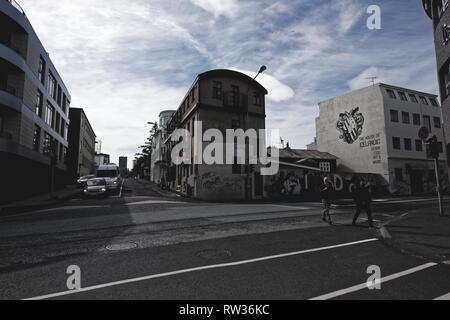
263 68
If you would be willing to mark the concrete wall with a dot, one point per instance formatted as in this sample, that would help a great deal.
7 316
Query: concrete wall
368 153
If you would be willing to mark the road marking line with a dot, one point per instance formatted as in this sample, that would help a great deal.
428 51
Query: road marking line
444 298
364 285
152 202
217 266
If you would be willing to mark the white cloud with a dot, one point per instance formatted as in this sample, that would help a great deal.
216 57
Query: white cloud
227 8
278 91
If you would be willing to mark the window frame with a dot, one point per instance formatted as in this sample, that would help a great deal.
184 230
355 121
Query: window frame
394 140
391 93
394 116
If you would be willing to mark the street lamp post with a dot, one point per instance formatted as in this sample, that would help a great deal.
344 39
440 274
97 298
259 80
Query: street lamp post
247 180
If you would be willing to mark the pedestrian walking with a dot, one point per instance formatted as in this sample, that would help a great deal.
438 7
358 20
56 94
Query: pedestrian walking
363 200
327 194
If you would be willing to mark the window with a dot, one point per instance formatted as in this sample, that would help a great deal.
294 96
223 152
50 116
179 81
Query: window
39 102
427 122
193 94
41 71
402 96
405 117
391 94
419 146
413 98
235 95
66 131
446 33
36 138
64 103
256 99
442 6
49 115
65 155
325 167
433 102
394 116
396 143
416 119
51 86
437 122
440 147
59 100
423 100
399 174
47 144
408 144
445 76
217 90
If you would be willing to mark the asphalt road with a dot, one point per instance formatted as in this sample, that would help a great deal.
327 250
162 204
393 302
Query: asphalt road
146 246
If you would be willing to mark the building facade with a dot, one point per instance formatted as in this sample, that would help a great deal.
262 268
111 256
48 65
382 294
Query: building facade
81 153
123 166
439 12
221 100
34 105
159 167
374 130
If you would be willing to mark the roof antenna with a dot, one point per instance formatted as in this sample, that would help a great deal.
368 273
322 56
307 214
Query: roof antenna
282 142
372 79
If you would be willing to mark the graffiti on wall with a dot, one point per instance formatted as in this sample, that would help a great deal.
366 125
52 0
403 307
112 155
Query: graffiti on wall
213 183
350 125
305 183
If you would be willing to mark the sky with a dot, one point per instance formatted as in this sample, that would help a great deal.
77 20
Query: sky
126 61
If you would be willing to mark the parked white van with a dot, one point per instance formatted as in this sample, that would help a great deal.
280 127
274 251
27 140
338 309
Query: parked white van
111 174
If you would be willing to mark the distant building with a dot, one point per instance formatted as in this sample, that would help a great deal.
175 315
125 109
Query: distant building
439 12
220 99
123 166
81 153
375 130
101 159
159 167
312 146
34 104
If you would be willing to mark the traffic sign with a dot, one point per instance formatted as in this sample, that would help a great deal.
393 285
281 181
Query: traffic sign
424 133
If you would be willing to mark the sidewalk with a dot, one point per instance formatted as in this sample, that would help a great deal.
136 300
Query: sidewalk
421 233
41 201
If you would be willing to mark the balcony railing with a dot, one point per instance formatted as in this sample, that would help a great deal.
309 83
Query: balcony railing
17 6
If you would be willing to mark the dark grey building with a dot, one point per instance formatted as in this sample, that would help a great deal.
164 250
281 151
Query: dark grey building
439 12
81 154
34 104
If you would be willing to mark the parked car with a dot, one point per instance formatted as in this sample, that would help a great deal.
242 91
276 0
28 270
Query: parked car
95 187
81 182
111 174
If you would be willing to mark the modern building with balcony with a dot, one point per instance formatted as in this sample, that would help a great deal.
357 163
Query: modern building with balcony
221 100
34 105
439 12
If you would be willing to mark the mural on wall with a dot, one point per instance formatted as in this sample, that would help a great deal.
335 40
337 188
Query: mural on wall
350 125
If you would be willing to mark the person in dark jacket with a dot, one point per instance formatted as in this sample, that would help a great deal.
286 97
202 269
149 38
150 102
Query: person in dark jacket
327 193
363 200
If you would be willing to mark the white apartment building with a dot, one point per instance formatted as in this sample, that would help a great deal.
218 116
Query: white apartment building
375 130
